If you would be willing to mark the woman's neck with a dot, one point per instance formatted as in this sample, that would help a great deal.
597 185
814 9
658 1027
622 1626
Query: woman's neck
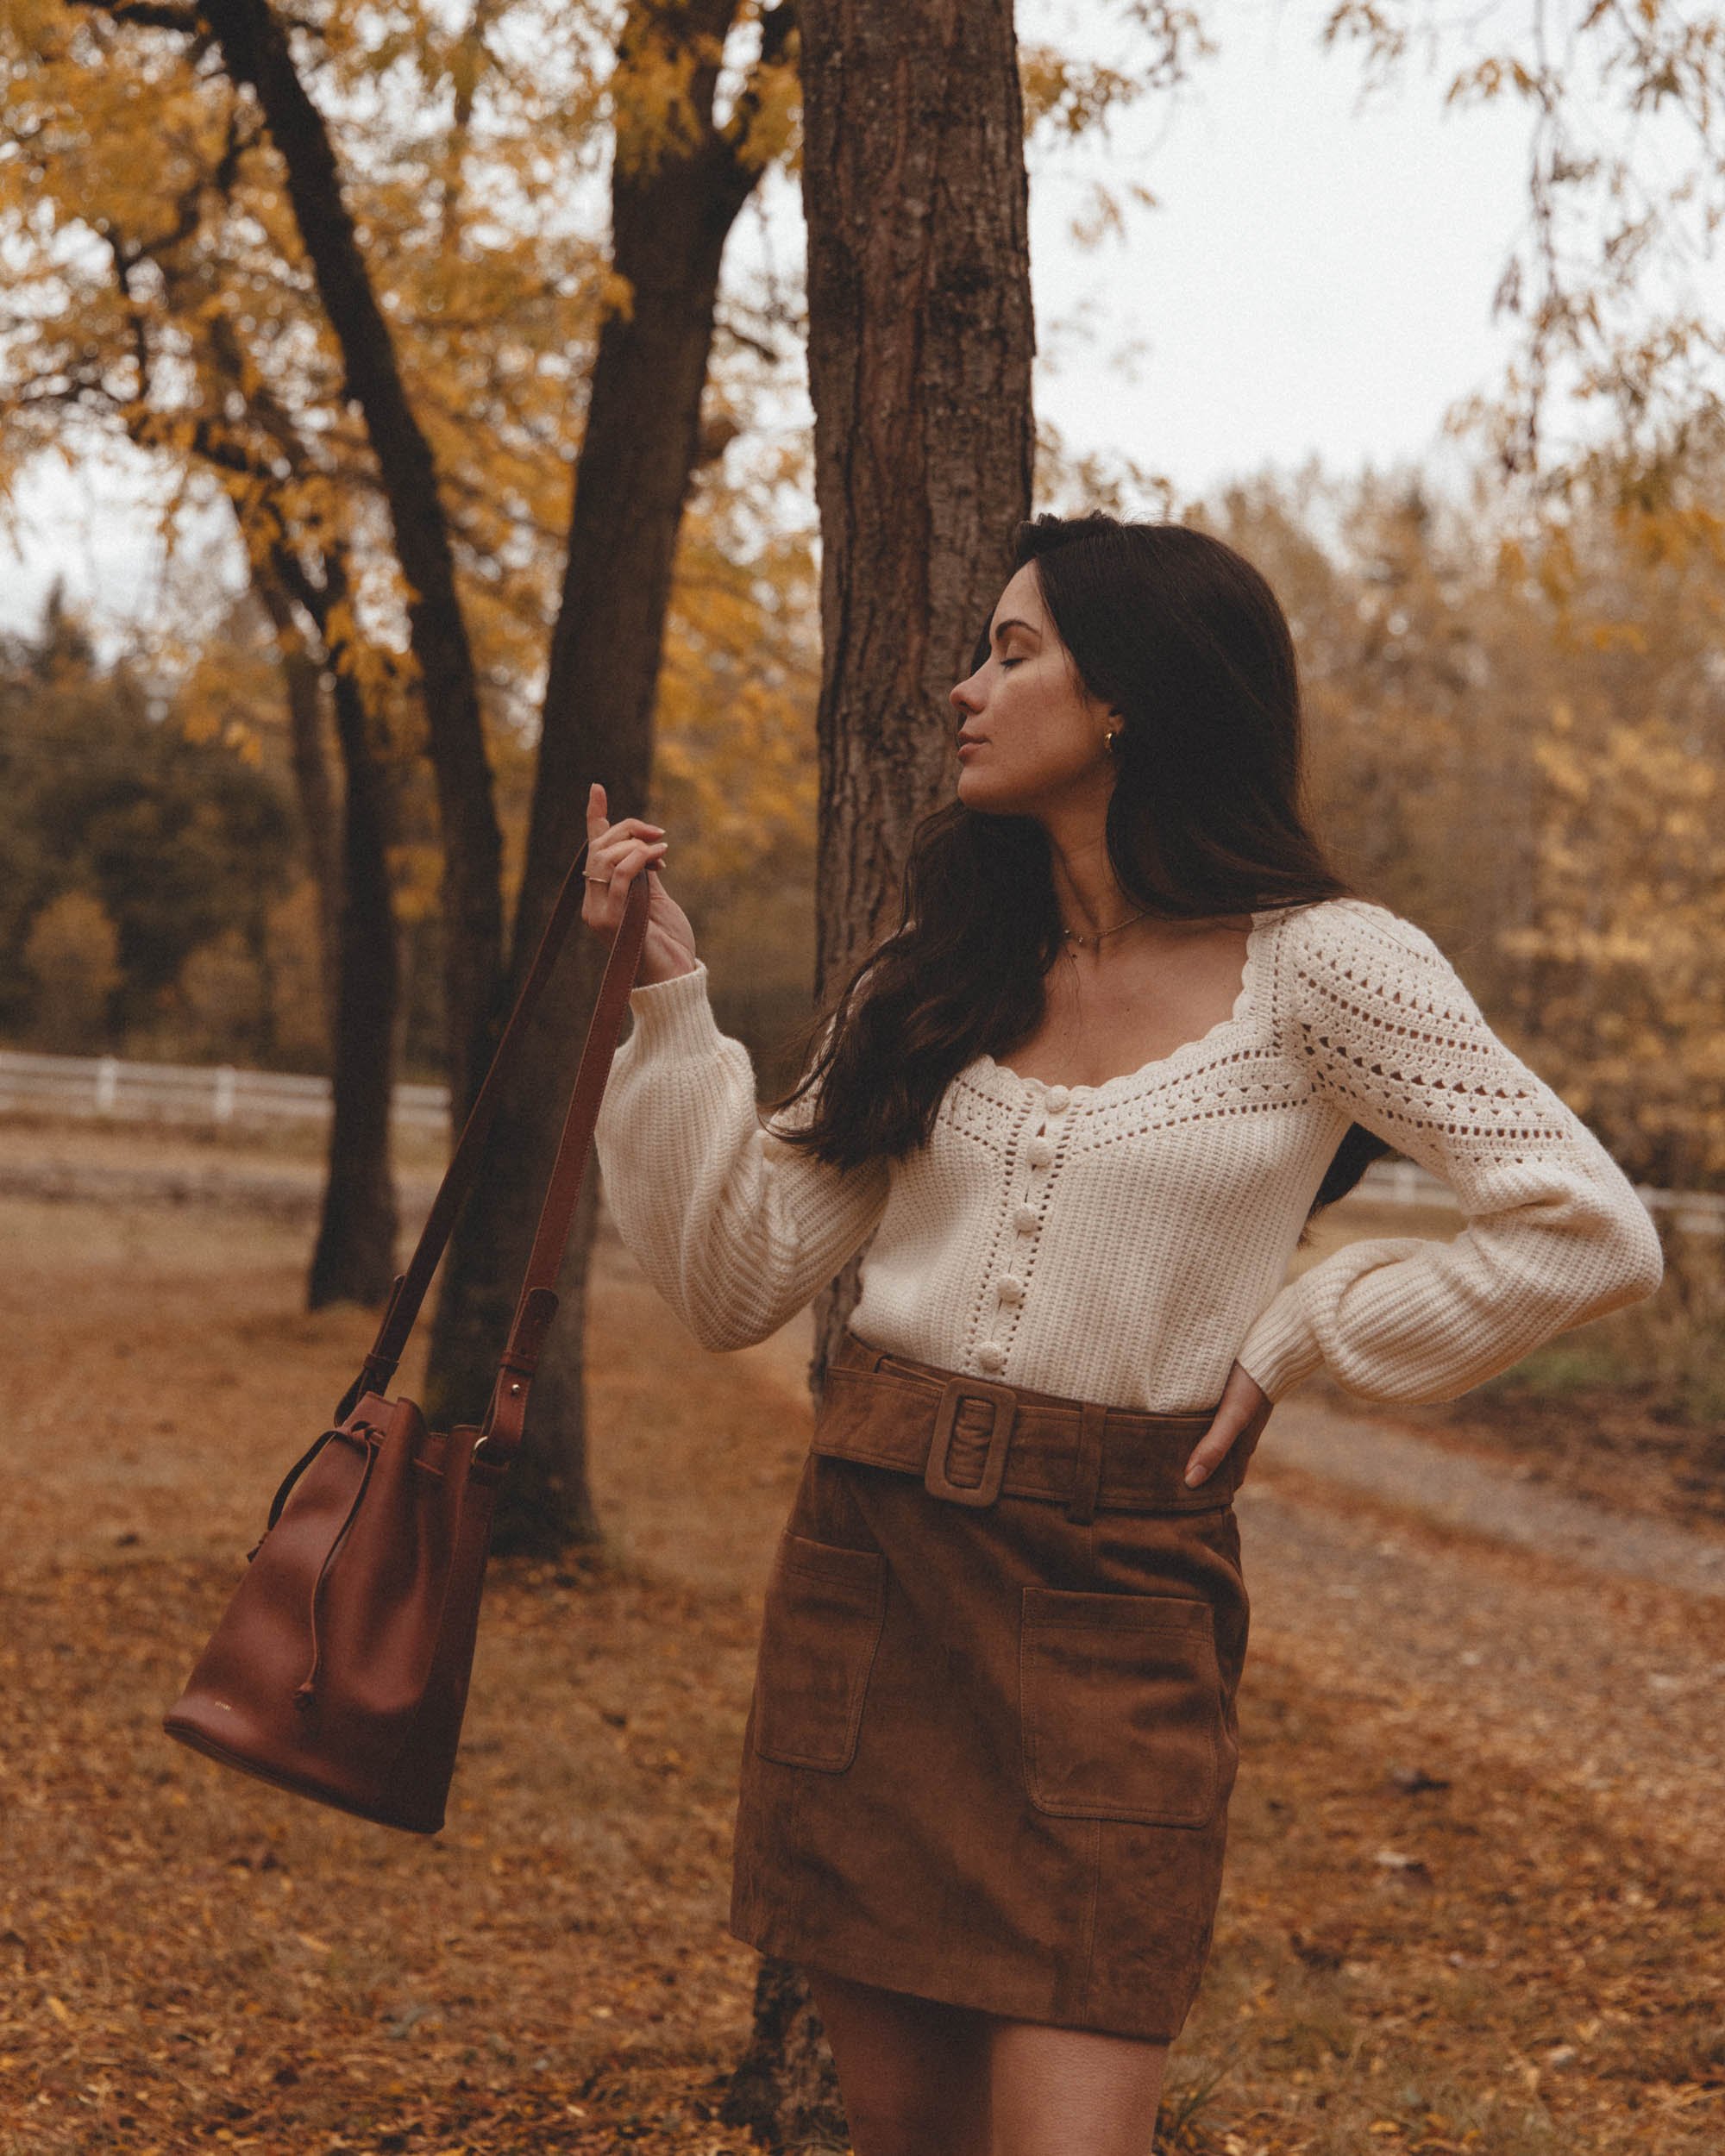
1089 897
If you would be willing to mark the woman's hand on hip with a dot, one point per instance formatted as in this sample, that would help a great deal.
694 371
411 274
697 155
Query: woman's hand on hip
616 853
1240 1416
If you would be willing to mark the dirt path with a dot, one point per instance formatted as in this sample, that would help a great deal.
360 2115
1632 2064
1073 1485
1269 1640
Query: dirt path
100 1165
1491 1498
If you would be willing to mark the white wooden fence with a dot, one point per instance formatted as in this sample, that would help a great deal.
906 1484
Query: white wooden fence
1405 1182
106 1086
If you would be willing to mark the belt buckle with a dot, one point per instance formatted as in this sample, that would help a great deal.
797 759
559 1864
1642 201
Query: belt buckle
956 1391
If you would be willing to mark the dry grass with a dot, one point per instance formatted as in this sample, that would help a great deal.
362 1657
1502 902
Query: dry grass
186 1958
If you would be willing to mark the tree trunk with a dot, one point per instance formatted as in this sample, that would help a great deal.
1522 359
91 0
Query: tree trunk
256 51
784 2091
303 683
671 215
920 340
354 1257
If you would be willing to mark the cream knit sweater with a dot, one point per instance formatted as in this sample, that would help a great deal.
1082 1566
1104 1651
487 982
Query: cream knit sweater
1127 1242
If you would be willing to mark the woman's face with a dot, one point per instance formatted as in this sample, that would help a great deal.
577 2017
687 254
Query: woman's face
1033 740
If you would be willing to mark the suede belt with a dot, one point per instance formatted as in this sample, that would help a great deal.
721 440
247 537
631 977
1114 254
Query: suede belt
972 1441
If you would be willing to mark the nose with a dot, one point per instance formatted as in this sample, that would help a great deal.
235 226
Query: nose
963 698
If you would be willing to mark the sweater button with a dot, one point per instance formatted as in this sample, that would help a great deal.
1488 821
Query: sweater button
1027 1218
1058 1100
991 1355
1040 1152
1009 1288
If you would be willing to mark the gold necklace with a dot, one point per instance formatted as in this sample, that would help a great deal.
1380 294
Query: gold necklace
1073 937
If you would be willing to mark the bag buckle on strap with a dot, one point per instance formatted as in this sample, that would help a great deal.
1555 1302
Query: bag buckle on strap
937 1479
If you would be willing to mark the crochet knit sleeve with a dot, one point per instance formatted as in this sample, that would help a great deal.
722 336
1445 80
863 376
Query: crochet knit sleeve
737 1230
1554 1233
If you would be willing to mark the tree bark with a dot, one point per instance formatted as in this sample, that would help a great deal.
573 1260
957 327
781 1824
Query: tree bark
354 1257
784 2092
671 215
920 342
256 51
356 1227
303 687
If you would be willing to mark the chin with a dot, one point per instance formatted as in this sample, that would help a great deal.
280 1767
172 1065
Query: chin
976 793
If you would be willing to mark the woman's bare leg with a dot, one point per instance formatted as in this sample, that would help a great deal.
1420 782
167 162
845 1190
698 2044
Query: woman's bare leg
915 2074
1071 2092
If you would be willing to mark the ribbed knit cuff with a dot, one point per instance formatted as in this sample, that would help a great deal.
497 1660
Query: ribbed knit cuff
1280 1350
675 1017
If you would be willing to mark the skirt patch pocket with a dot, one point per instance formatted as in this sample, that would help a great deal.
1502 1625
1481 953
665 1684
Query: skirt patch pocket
824 1609
1121 1706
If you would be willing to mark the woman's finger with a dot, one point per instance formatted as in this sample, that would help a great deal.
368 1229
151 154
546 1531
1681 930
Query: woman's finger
617 869
608 870
598 828
616 848
604 851
630 827
1240 1416
634 855
1213 1448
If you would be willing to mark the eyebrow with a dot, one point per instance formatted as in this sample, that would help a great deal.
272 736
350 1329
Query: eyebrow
1001 628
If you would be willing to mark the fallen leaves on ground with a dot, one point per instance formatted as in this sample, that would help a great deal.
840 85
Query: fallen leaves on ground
1418 1949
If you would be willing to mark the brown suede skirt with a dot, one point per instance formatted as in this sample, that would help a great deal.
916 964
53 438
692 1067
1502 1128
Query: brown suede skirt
992 1740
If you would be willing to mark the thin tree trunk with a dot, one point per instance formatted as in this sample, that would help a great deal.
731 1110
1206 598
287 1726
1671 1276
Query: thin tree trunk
256 51
920 339
303 684
354 1257
671 215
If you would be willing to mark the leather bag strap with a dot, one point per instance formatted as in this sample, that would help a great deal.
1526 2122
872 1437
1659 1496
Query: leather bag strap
538 1299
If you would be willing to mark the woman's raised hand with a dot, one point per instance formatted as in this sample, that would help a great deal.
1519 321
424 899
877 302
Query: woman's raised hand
616 853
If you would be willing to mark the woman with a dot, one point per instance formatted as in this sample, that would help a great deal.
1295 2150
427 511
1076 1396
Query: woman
1133 1031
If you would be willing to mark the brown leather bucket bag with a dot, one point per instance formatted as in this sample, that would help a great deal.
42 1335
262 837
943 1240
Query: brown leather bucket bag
340 1667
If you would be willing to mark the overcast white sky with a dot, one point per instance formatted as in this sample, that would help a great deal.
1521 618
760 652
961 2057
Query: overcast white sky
1316 281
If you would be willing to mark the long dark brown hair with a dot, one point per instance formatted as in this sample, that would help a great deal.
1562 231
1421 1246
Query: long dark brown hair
1184 638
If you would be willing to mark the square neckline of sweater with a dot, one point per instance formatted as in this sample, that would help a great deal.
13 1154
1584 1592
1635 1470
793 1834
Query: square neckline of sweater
1245 1006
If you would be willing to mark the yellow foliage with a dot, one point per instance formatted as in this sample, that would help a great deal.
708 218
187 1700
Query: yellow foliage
736 773
73 949
1070 95
1630 863
616 296
416 876
157 275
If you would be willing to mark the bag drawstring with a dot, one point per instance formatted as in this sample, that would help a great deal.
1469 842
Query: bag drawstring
307 1693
